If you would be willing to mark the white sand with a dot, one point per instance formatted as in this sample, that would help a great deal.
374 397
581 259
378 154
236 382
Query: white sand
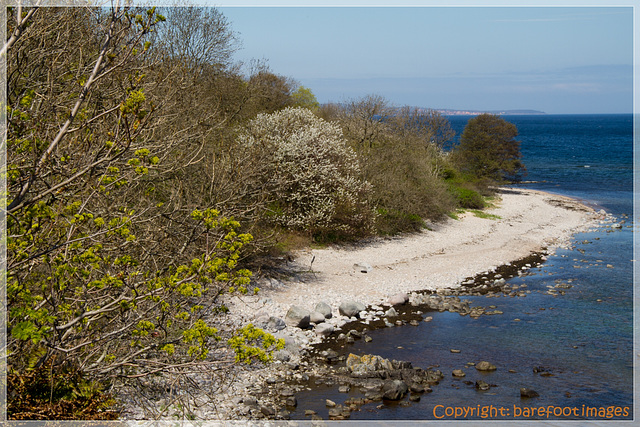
440 257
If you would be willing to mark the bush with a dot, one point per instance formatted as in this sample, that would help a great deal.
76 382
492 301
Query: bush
310 178
488 149
467 198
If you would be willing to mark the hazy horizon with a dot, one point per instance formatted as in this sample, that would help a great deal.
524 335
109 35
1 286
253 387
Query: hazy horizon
560 60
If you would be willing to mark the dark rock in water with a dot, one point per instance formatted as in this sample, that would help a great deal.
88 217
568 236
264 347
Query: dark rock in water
481 385
458 373
268 411
298 317
414 397
291 401
373 395
367 363
401 364
538 369
485 366
394 389
528 393
414 323
416 388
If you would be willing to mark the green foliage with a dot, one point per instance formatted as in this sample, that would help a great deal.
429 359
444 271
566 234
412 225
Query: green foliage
488 149
252 344
303 97
467 198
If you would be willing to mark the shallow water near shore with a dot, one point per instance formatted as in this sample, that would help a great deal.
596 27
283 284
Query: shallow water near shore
580 342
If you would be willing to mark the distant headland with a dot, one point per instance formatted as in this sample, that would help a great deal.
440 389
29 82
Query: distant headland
498 112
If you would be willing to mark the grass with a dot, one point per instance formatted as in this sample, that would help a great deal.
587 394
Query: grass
481 214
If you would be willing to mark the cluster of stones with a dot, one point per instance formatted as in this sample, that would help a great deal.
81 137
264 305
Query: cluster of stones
380 379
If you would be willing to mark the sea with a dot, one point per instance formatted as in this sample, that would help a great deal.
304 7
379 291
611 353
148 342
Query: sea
575 350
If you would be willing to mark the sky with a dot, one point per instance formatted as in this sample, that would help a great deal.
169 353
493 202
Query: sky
560 60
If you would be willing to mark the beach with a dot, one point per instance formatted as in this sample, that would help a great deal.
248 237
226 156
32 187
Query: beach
520 223
442 257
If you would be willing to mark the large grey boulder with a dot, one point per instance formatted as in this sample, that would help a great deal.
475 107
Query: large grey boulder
394 389
316 317
351 308
298 317
325 309
323 329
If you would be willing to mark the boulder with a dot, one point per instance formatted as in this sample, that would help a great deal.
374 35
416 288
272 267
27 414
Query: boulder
316 317
398 299
275 324
325 309
394 389
298 317
485 366
351 308
528 393
324 329
391 313
458 373
367 363
482 385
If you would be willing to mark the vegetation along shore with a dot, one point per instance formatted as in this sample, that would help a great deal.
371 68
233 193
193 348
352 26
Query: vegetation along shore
180 227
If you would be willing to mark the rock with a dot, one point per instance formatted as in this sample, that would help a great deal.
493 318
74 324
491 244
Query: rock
414 323
399 299
316 317
367 363
454 351
458 373
324 329
416 388
391 312
309 412
325 309
428 319
291 402
482 385
351 308
367 338
268 411
528 393
414 397
485 366
298 317
282 355
250 401
344 389
362 267
394 389
330 403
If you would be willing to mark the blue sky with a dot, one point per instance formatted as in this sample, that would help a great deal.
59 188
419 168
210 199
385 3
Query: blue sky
559 60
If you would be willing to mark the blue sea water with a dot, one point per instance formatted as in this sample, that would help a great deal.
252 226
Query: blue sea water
583 339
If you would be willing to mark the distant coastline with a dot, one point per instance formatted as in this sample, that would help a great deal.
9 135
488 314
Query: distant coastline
498 112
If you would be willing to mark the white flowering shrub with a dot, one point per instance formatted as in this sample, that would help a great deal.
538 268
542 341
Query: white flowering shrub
310 173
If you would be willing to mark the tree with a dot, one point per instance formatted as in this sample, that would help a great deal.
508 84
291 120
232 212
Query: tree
303 97
488 149
310 174
113 270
